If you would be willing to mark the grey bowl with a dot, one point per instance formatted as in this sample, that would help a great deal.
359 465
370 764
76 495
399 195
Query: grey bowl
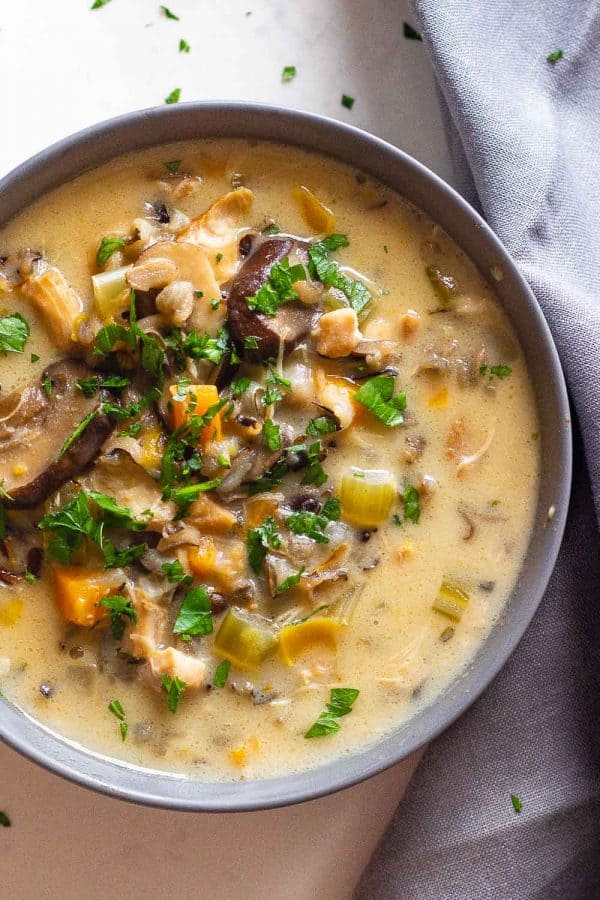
95 145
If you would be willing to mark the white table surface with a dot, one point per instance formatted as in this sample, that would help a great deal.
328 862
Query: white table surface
64 67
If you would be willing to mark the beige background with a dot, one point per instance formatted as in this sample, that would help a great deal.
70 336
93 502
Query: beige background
72 67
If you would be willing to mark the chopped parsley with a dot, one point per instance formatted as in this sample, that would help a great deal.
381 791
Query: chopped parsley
396 519
259 540
173 166
495 371
239 386
90 386
195 615
250 342
4 820
272 435
34 358
552 58
273 228
320 426
341 701
290 582
221 673
327 271
47 386
175 573
331 509
412 505
173 97
347 102
215 303
288 74
312 525
174 688
184 47
516 803
274 382
14 331
409 32
116 708
108 246
315 473
169 14
119 610
184 496
98 4
78 430
377 395
278 288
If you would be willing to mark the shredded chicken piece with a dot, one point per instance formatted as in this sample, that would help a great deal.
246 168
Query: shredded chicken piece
174 662
209 516
216 231
57 303
337 333
176 301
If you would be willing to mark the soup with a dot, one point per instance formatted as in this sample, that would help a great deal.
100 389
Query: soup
258 429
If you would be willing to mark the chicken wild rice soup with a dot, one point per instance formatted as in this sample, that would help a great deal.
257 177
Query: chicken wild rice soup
268 456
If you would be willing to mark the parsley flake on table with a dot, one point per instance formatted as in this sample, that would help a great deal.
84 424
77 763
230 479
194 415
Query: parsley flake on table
173 97
409 32
517 803
4 820
169 14
98 4
347 102
555 56
288 74
184 47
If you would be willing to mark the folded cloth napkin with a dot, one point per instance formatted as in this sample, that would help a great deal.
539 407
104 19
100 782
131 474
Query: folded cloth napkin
525 134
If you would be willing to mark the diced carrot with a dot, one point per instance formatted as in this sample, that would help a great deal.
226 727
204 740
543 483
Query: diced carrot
78 590
10 612
258 508
197 401
439 400
203 558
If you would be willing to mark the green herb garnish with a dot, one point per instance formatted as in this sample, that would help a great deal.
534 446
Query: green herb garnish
377 395
90 386
310 524
108 246
290 582
331 509
173 97
184 496
175 573
77 432
184 47
272 436
221 673
327 271
347 101
4 820
174 688
259 540
239 387
288 74
554 57
169 14
250 342
98 4
173 166
320 426
409 32
119 610
412 504
341 701
495 371
14 331
278 289
47 386
516 802
117 710
34 358
195 615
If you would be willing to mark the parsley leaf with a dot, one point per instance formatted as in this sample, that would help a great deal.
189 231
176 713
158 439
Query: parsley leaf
116 708
119 609
4 820
288 74
173 97
173 166
331 509
90 386
195 615
221 673
184 496
409 32
108 246
184 47
47 386
341 701
77 432
239 387
168 13
14 331
516 802
278 288
98 4
377 395
412 504
495 371
347 101
259 540
555 56
174 688
320 426
272 435
290 582
250 342
310 524
175 573
203 346
329 274
116 516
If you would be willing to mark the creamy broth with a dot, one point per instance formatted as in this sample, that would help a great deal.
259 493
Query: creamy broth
456 508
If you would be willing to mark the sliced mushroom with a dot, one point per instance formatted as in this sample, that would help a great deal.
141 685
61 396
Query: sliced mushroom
119 476
293 320
216 231
34 427
189 264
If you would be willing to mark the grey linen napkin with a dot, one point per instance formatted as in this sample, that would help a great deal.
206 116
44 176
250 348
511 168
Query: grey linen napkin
525 136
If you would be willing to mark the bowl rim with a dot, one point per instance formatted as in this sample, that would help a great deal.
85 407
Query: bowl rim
69 157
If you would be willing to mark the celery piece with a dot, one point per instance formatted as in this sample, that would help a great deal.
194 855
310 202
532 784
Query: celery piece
108 288
451 601
244 639
367 496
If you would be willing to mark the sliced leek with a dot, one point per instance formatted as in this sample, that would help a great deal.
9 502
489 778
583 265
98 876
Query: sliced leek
367 496
245 640
451 601
111 292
